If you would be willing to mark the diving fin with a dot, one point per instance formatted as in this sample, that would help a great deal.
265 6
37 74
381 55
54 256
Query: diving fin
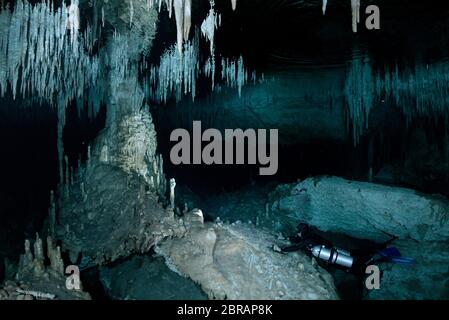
393 255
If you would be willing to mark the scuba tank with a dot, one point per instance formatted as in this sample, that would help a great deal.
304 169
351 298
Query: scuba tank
333 255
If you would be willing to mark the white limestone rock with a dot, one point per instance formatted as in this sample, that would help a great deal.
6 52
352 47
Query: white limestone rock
238 262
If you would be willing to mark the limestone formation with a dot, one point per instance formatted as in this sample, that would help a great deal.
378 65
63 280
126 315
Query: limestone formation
35 279
361 210
237 262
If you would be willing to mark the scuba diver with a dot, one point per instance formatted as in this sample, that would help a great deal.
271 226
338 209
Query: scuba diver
308 239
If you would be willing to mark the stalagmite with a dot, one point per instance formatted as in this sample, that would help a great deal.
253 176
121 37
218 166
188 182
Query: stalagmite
172 193
28 256
52 214
39 258
54 255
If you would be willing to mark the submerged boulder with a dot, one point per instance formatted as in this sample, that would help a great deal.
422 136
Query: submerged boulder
361 210
375 212
238 262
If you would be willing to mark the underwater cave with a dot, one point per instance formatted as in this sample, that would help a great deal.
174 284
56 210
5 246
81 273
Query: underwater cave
95 95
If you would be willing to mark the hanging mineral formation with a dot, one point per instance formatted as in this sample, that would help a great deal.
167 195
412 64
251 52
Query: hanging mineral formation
176 73
179 16
234 73
234 4
35 49
359 91
209 25
416 92
355 8
38 58
183 17
324 7
73 23
187 18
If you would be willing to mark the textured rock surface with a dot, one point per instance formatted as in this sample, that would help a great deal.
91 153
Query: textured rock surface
376 212
428 279
114 216
238 262
147 278
132 147
361 210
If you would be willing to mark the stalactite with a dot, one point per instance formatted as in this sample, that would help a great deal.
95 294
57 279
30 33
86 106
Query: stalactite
209 25
417 92
234 4
73 23
42 56
187 18
183 17
324 6
359 90
355 8
234 73
421 91
36 43
209 70
176 73
179 16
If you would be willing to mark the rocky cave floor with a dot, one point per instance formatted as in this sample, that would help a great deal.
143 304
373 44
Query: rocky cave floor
227 253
